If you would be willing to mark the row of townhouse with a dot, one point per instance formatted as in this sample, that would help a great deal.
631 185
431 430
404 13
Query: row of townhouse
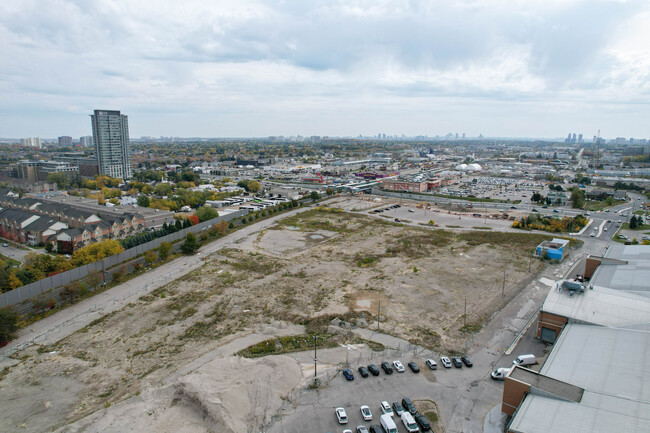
30 221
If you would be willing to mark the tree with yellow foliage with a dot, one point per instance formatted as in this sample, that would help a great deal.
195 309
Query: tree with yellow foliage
94 252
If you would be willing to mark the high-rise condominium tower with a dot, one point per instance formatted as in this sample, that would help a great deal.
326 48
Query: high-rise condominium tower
111 137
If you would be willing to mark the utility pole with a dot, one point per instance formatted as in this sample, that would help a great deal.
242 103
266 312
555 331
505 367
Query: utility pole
465 315
503 287
378 311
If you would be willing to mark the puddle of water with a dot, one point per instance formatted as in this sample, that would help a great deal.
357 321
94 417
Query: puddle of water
317 237
292 228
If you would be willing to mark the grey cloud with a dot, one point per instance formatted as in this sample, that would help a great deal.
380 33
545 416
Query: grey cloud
83 53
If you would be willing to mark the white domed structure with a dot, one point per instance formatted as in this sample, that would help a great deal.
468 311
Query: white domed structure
474 167
461 167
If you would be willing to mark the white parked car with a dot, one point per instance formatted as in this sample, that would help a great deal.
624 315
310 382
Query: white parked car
385 408
432 364
341 415
398 366
365 413
446 362
409 423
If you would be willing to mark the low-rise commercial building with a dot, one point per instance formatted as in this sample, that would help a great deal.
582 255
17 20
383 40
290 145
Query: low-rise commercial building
404 186
596 378
553 249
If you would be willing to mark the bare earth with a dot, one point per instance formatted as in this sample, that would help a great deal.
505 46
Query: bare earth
163 363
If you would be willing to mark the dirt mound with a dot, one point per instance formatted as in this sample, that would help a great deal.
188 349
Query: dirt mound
226 395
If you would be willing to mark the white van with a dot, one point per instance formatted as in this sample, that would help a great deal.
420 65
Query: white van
525 360
500 373
409 422
388 424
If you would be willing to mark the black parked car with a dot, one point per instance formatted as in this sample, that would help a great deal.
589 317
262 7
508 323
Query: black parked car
376 429
414 367
348 374
363 371
408 405
466 360
422 421
372 368
457 362
386 367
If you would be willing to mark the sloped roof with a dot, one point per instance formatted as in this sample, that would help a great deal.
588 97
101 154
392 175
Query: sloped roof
18 216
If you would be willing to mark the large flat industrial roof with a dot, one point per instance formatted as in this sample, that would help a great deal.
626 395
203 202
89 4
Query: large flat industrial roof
633 276
610 364
600 306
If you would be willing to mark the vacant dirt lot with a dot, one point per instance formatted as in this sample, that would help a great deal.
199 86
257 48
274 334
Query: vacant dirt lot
307 269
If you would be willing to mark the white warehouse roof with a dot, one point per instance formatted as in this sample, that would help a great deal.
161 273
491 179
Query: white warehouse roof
610 364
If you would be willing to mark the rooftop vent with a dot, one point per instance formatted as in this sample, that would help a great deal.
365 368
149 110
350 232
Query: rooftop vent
572 287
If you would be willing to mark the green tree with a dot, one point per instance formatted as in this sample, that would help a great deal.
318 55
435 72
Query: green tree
254 186
163 189
634 224
577 198
205 213
314 195
190 245
60 179
150 257
164 249
8 324
143 201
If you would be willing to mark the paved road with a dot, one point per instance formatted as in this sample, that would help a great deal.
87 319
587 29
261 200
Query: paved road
75 317
16 253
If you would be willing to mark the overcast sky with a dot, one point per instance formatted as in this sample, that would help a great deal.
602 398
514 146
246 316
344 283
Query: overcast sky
533 68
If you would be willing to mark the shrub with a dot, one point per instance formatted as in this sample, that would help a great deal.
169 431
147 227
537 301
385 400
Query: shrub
190 245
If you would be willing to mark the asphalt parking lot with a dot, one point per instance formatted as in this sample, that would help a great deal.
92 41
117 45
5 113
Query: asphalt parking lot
441 217
316 410
465 392
13 251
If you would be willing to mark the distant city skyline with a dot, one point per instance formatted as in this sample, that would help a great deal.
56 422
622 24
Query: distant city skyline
246 68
